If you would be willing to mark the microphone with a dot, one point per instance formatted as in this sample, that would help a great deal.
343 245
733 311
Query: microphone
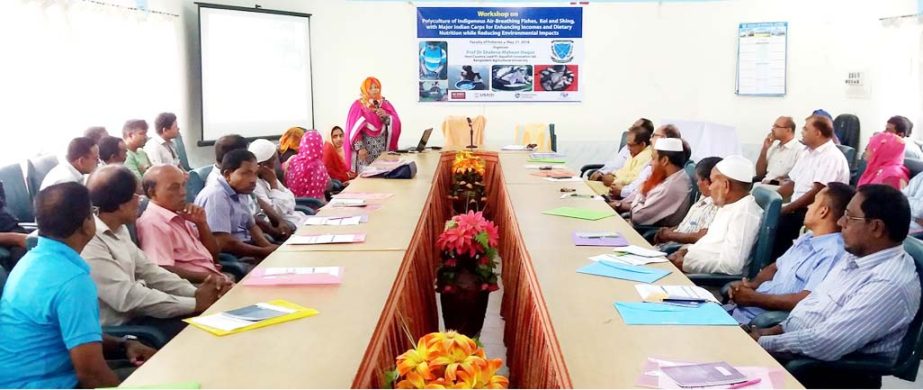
471 134
376 103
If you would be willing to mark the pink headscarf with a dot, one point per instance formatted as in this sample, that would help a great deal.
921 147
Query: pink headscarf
886 161
307 176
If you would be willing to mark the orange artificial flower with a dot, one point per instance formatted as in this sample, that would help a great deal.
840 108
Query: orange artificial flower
416 360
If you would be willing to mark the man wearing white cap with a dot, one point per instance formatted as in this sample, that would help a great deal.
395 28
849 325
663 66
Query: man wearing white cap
272 195
725 249
664 198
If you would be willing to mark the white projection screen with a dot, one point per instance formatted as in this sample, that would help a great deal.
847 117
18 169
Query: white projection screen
255 71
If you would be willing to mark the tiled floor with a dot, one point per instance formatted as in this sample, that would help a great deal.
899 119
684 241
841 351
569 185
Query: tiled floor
492 333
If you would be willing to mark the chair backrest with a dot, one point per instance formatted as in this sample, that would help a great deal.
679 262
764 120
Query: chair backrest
850 154
908 358
860 169
846 127
771 203
2 280
197 179
690 170
534 133
18 199
181 152
624 140
457 134
914 166
132 231
37 169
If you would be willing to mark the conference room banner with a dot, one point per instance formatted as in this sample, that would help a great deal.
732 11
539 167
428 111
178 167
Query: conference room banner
491 54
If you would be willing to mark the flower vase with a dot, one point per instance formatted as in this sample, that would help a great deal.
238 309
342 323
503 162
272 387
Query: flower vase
465 308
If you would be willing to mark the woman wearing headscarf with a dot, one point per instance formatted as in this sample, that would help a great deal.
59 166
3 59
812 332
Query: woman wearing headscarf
334 158
288 144
885 156
306 175
372 126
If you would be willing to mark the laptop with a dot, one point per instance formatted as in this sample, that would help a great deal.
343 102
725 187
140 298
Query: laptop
422 145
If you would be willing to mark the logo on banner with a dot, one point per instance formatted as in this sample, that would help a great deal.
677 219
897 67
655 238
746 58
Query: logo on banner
458 95
562 50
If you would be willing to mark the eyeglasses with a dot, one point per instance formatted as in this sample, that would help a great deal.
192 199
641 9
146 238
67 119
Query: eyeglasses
851 218
94 210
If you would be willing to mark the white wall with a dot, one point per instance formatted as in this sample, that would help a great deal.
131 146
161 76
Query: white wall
673 60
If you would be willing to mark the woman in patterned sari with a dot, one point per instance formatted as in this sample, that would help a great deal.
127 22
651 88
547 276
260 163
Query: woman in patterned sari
372 127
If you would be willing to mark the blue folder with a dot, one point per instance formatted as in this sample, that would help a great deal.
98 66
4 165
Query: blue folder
623 271
644 313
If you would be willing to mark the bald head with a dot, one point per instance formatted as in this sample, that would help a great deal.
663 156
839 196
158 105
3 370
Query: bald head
111 187
165 185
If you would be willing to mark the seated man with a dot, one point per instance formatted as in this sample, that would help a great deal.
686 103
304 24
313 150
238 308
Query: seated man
914 194
700 215
664 198
263 214
269 190
821 163
49 315
623 154
135 135
639 141
12 235
82 158
131 288
781 150
96 133
725 249
112 150
161 148
867 300
781 285
229 216
903 127
172 233
629 191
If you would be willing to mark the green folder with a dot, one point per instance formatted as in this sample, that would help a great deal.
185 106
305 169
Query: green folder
548 160
579 213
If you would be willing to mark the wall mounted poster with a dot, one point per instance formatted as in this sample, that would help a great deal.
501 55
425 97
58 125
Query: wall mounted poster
762 49
488 54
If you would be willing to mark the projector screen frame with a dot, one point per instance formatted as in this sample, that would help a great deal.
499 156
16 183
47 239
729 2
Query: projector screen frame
257 9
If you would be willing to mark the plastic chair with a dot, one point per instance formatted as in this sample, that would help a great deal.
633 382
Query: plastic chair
846 127
690 170
18 198
761 255
873 367
534 133
194 185
457 133
37 169
181 152
914 166
850 154
860 169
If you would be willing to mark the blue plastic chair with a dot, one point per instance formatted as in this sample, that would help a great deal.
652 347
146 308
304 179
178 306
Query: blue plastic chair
850 154
181 152
18 198
37 169
761 255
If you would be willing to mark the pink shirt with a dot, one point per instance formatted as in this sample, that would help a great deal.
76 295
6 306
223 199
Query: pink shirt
169 240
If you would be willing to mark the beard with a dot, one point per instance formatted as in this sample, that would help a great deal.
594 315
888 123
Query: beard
658 175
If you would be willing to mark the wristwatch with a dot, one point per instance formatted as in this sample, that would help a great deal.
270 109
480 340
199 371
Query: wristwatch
123 342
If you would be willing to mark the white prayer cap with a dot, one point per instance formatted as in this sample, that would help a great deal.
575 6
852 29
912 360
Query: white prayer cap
669 145
737 168
262 149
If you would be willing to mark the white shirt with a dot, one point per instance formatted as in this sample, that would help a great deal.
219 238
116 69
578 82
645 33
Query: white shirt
282 200
617 162
726 248
912 150
822 165
781 158
161 151
64 172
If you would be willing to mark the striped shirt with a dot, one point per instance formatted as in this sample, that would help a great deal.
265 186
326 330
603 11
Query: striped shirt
699 217
864 305
802 268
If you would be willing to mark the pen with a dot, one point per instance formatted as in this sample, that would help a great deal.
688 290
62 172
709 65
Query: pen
745 384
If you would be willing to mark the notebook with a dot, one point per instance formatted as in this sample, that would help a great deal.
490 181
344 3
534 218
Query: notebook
704 374
293 276
246 318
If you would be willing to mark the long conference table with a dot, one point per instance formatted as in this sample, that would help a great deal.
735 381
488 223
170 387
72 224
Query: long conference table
561 328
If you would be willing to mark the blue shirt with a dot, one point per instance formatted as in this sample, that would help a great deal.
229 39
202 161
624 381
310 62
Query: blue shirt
802 267
225 209
864 305
49 307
